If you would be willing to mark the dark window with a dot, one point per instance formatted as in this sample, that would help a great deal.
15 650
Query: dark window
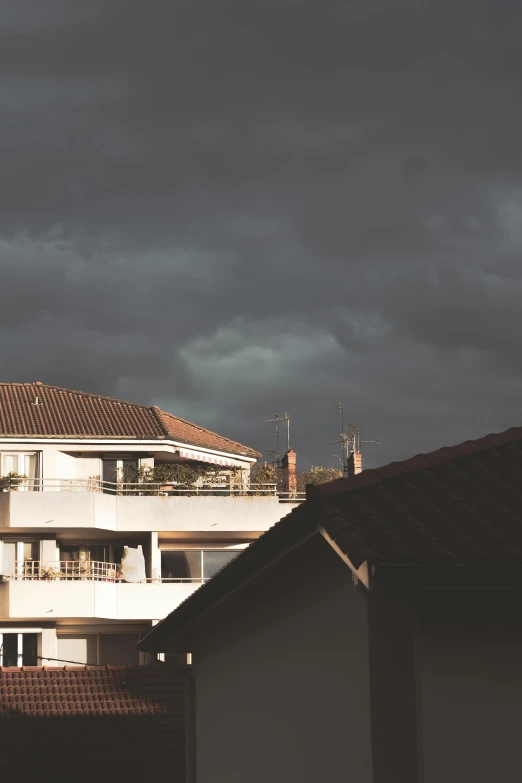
110 471
10 649
30 649
177 564
214 561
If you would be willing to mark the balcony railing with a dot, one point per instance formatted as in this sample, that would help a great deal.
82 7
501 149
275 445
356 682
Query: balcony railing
158 490
92 570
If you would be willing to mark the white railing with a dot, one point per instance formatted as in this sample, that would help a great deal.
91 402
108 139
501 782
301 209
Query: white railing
253 489
93 570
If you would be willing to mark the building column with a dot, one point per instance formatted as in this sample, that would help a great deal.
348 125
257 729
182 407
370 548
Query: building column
47 647
391 637
155 558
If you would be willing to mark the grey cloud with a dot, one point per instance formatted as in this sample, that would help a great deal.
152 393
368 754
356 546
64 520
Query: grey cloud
230 209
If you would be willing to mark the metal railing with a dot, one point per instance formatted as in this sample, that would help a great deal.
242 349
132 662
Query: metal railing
141 488
93 570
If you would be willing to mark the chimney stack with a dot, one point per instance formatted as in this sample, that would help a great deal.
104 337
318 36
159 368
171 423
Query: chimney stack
288 465
355 463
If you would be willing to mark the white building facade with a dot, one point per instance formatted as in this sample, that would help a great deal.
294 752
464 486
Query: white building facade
66 527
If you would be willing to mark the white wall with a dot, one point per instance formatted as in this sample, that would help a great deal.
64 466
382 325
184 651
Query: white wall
282 678
65 466
470 697
61 599
87 467
155 514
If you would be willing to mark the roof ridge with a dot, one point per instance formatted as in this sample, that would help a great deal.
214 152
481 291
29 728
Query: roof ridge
41 385
203 429
416 464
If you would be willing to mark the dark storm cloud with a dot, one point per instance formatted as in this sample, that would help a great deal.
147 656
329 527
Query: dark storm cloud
232 209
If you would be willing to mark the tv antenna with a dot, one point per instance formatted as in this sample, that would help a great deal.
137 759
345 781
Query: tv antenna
286 420
350 441
277 420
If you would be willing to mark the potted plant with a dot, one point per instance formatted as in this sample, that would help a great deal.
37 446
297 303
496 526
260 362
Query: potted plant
12 481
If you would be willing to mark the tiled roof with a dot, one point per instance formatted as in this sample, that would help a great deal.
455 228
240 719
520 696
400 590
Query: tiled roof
41 411
459 505
455 506
93 723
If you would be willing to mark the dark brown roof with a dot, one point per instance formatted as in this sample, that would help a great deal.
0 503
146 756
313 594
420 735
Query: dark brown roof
64 413
459 505
93 723
455 506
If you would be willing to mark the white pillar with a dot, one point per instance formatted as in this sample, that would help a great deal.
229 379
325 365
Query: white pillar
48 550
48 648
155 557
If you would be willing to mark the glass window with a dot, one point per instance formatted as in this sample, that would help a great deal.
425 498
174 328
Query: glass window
10 464
181 564
18 649
30 649
24 464
10 649
215 561
30 551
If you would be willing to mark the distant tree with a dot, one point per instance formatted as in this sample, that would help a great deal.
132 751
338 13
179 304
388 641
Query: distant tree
267 473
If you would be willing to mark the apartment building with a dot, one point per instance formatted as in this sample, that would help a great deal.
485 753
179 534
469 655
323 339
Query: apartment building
92 552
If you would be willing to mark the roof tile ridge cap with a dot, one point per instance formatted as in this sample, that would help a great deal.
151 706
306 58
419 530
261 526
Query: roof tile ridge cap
404 467
204 429
82 393
156 413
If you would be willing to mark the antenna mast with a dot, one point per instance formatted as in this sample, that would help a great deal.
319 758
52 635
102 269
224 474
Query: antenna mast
286 420
350 441
276 420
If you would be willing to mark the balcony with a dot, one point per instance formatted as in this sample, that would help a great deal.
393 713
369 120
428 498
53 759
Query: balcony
72 589
90 503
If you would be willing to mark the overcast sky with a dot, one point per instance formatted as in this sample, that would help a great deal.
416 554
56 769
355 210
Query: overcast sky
232 208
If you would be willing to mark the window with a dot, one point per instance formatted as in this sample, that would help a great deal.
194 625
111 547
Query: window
24 463
194 564
18 552
91 552
178 564
18 649
119 471
214 561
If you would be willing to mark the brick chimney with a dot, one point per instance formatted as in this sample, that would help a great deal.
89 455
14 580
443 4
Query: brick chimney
288 472
355 463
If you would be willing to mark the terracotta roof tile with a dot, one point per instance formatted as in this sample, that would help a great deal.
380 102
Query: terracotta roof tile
93 723
458 505
41 411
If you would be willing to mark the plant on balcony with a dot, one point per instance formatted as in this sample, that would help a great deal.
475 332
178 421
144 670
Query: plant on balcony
12 481
49 573
185 477
268 473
